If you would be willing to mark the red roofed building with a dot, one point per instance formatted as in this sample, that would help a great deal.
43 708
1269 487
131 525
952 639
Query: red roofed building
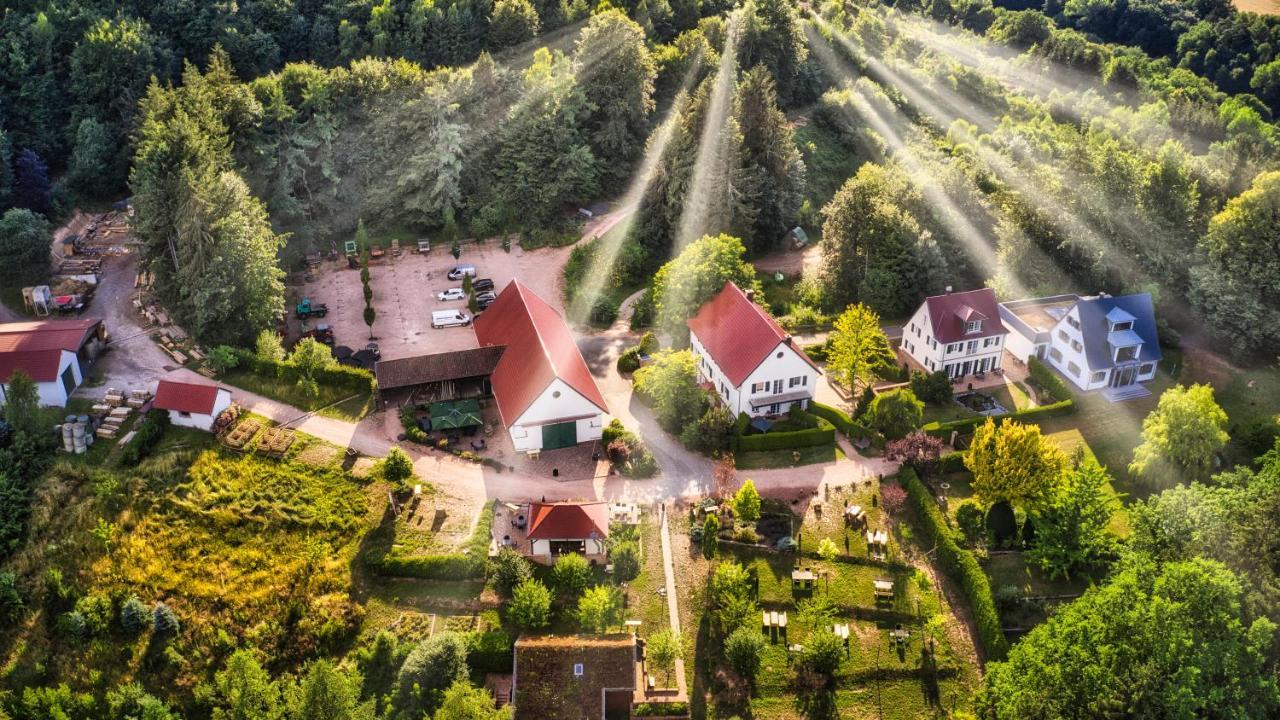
752 364
544 390
543 531
190 404
54 353
958 333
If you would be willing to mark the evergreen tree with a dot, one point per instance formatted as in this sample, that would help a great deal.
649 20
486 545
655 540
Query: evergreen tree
771 158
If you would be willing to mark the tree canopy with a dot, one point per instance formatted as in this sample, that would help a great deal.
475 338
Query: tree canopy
1183 433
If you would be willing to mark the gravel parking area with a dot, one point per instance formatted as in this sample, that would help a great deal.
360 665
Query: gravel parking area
404 295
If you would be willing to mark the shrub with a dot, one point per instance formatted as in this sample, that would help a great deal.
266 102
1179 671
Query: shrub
73 626
648 344
134 617
96 611
712 433
530 606
223 358
164 621
933 388
746 534
895 413
1008 596
604 311
510 568
571 574
710 536
453 566
819 433
149 432
11 603
960 564
852 429
429 668
626 561
744 649
600 608
397 467
490 651
661 709
823 652
1048 381
629 360
1001 524
58 594
746 503
944 430
642 311
970 519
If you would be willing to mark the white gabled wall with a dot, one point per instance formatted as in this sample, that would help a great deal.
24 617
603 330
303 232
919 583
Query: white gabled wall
557 403
737 398
52 393
202 421
919 342
1063 356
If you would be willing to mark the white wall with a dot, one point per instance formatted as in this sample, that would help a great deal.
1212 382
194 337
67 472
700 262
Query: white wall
932 354
201 421
738 398
1019 345
52 393
542 548
548 409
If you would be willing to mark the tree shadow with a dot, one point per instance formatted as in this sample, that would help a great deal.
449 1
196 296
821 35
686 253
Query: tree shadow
819 704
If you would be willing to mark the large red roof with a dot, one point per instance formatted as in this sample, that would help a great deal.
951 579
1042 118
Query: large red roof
568 521
195 398
738 334
949 313
36 347
540 348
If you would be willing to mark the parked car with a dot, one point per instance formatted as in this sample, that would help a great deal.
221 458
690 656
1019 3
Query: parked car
483 296
482 284
459 271
449 318
452 294
483 304
321 333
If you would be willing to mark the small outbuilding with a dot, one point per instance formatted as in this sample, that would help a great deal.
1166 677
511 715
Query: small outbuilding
574 677
193 405
55 354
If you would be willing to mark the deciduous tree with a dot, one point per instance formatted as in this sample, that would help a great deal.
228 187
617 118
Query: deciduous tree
24 249
859 348
600 608
696 275
1012 462
530 606
1071 521
895 413
669 384
1184 432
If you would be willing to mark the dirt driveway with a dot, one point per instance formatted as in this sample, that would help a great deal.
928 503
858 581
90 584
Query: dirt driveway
133 362
404 294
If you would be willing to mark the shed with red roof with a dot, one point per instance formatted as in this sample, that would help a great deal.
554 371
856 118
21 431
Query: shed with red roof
192 404
53 353
750 362
545 393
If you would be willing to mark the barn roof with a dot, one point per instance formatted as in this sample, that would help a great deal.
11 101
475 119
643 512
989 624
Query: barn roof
738 334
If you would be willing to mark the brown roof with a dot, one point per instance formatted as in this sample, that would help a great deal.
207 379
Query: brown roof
198 398
738 334
545 684
36 347
436 367
540 348
568 521
948 314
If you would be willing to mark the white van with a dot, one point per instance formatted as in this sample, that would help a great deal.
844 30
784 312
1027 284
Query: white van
460 271
449 318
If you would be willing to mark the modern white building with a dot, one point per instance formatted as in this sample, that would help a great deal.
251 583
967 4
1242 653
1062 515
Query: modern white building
958 333
746 359
193 405
544 390
1101 342
55 354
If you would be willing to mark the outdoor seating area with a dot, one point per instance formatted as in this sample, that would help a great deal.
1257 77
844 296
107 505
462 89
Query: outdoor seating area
883 589
803 578
878 544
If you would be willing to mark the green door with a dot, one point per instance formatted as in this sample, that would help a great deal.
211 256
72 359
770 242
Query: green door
559 435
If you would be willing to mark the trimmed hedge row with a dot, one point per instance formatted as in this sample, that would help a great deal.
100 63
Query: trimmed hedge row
851 428
1046 378
470 565
951 462
820 433
943 430
960 564
343 376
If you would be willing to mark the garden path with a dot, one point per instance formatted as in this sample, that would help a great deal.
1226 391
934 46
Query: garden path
673 611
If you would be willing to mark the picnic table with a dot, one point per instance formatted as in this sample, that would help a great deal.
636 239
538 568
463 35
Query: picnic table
841 630
773 618
899 634
854 514
803 577
883 589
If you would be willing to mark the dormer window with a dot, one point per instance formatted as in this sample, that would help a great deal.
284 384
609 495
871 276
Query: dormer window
972 326
1122 326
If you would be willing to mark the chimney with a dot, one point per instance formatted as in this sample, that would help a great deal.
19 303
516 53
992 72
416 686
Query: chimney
948 289
751 295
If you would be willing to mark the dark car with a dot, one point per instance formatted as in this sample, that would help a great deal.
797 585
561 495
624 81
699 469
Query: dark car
482 305
424 424
482 284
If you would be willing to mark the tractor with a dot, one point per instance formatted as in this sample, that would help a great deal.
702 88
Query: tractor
306 309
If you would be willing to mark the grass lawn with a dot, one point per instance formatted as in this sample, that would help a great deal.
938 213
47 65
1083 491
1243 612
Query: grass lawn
331 402
769 459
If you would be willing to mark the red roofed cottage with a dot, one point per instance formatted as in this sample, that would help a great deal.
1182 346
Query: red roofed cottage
544 390
959 333
750 362
190 404
54 353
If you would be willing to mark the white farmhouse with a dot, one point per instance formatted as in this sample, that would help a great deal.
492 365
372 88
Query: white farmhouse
54 353
1102 342
544 390
958 333
193 405
747 359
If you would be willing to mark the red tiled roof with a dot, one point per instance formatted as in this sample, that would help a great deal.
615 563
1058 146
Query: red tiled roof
36 347
738 334
186 397
948 313
540 348
568 521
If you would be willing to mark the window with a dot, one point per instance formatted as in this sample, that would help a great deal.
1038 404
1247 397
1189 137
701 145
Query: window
928 364
1127 353
973 326
777 386
577 669
973 346
1098 376
184 414
759 387
1122 326
1055 354
1073 322
991 341
801 380
1062 335
1074 369
519 432
1147 369
933 343
954 347
1075 345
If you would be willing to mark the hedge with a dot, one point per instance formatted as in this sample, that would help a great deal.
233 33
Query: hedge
1048 379
821 433
960 564
149 432
470 565
851 428
951 462
343 376
943 430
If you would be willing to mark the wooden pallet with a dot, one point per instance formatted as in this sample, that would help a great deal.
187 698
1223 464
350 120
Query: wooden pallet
275 442
241 434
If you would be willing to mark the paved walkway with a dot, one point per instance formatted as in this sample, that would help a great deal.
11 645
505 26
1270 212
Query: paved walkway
673 610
